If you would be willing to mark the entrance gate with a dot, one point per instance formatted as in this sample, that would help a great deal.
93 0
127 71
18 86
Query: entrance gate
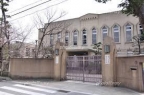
84 68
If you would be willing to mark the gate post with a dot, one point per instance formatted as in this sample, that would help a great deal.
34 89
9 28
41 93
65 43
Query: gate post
60 62
108 61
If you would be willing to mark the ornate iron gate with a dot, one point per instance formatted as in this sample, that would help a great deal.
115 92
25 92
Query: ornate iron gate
84 68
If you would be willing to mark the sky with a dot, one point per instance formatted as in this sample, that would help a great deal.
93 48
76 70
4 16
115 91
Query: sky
73 8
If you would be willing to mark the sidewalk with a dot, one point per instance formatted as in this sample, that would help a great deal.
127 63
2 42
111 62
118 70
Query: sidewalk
88 88
4 78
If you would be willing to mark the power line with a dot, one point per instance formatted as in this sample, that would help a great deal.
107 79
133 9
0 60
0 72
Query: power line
25 6
30 8
39 10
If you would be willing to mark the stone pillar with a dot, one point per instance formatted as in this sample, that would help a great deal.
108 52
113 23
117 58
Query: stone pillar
60 62
108 61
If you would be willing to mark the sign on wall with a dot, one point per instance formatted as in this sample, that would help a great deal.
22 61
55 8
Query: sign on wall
57 60
107 59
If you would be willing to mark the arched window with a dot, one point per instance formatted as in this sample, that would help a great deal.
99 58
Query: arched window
94 34
128 33
104 32
66 38
84 37
140 29
51 39
116 33
141 32
58 36
75 37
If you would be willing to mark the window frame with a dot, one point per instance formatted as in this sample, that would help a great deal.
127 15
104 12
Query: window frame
94 32
67 36
104 32
75 31
116 32
84 34
126 30
51 39
59 36
139 28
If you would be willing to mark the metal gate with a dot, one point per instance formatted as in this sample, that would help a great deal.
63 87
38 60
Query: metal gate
84 68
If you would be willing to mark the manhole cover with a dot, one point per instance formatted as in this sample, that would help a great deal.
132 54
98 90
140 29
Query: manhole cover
63 91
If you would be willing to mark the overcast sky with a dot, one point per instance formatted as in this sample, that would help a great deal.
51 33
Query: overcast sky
74 8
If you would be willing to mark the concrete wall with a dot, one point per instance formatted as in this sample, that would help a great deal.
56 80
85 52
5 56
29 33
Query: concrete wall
128 77
31 68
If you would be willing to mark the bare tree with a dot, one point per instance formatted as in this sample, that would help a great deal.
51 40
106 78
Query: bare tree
18 40
7 43
50 28
138 40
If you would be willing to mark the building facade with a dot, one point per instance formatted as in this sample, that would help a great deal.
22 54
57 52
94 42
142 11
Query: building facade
22 50
89 29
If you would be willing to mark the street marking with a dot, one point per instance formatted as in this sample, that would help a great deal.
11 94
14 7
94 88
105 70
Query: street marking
55 88
21 91
35 88
4 93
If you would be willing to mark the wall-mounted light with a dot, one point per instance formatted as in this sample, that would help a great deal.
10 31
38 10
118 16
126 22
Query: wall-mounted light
107 48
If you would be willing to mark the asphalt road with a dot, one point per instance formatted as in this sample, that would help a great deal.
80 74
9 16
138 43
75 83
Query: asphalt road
13 88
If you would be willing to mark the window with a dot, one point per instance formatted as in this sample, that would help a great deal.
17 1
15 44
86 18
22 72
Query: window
141 32
116 33
104 32
51 40
84 37
27 51
128 33
75 36
33 52
66 38
94 33
58 36
141 29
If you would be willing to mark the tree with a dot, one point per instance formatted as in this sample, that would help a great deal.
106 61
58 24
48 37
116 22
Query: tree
4 27
138 40
15 34
18 38
7 35
96 48
131 7
50 28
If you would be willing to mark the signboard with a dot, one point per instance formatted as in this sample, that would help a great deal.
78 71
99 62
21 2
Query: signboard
57 60
107 59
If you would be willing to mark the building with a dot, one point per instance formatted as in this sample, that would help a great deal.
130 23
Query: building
22 50
89 29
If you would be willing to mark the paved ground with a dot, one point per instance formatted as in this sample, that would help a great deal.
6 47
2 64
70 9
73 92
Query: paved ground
15 88
78 88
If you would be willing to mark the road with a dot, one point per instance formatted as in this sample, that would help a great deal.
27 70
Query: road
16 88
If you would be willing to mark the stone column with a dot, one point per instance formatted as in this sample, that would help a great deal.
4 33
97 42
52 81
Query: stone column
108 62
60 62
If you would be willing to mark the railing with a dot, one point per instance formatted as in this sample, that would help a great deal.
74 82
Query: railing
129 52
